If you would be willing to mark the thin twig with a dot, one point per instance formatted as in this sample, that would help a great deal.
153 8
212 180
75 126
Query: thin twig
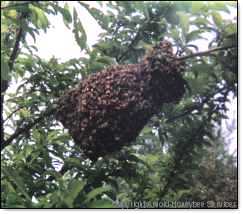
13 112
185 113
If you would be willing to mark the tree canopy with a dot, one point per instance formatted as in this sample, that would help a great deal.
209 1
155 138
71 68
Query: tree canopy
180 155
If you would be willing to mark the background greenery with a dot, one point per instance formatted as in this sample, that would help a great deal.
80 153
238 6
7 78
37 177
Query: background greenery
180 155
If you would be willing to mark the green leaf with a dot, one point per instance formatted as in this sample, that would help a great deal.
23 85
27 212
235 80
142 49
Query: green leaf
97 191
31 32
66 15
147 130
96 66
198 6
230 29
106 60
79 32
5 71
102 46
217 5
200 21
103 203
4 27
194 35
102 20
72 161
150 159
15 178
217 19
175 33
25 113
182 192
201 81
40 19
184 21
183 5
11 14
171 16
36 135
74 188
14 200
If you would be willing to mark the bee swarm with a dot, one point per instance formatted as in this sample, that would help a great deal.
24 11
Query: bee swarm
108 109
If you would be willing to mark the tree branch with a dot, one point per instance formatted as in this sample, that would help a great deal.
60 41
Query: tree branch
16 48
205 53
27 127
13 56
4 83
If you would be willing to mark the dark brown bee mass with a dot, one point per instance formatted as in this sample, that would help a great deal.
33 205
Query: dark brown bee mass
107 110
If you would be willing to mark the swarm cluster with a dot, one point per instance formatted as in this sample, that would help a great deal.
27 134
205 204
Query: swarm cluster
107 110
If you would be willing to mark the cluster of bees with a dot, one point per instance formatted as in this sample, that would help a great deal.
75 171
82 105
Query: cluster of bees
108 109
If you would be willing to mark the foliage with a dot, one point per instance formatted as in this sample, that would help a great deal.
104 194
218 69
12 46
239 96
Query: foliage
179 156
